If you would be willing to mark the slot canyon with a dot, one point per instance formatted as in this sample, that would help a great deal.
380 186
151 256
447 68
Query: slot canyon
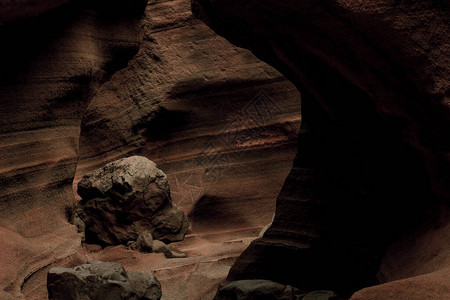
224 149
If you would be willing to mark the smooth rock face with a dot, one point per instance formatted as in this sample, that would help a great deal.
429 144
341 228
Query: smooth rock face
128 197
101 280
256 290
373 161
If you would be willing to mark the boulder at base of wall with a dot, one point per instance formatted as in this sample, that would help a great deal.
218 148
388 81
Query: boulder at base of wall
126 198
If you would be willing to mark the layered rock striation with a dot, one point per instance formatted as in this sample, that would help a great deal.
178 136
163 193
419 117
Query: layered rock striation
371 175
221 124
66 71
52 62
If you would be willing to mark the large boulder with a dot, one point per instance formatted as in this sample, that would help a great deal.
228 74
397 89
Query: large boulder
101 280
126 198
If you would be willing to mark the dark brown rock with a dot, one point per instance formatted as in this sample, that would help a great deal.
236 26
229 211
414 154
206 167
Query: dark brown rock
126 199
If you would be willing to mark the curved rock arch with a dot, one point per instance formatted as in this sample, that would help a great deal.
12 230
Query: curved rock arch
370 175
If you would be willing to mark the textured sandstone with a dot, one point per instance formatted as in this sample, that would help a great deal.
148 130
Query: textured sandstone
434 285
56 63
127 198
186 101
101 280
373 161
195 277
51 66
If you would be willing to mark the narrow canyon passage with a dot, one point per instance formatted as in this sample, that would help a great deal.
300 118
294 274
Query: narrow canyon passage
219 122
222 124
328 120
367 199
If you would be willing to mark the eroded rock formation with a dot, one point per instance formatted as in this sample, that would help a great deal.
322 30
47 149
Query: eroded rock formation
186 101
101 280
60 59
50 67
210 114
373 160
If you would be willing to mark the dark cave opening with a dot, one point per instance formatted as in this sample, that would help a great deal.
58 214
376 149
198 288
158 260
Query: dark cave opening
357 184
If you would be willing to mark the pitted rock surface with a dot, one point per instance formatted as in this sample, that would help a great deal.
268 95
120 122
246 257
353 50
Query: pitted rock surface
128 197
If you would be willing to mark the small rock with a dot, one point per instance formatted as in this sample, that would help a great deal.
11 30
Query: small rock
175 254
144 243
133 245
101 280
320 295
256 290
160 247
93 248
